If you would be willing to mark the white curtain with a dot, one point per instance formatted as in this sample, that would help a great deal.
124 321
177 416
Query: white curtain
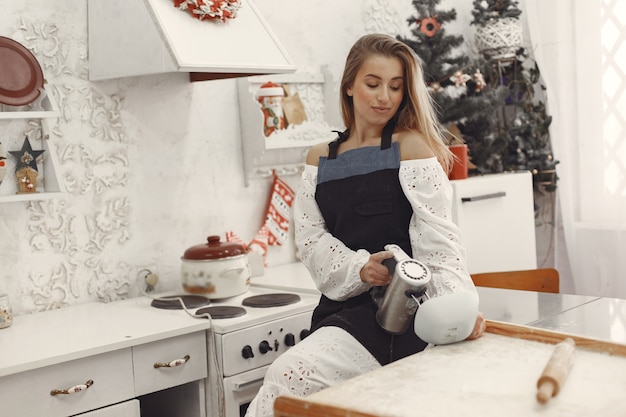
577 46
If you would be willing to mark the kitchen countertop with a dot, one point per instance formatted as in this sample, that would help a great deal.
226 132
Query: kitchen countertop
526 307
50 337
602 319
78 331
288 277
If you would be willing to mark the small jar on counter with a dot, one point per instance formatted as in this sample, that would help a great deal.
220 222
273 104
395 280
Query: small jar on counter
6 314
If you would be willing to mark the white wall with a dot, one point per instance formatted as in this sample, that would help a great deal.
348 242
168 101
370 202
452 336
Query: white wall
152 164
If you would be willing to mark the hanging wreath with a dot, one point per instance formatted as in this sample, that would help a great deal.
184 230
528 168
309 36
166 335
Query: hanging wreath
215 10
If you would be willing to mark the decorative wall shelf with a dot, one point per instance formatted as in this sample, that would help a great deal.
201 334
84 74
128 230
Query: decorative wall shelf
43 108
283 151
48 185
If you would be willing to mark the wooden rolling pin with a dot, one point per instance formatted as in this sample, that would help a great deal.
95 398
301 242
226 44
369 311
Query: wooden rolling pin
555 372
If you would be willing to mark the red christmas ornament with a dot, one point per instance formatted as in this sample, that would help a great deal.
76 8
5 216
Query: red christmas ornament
429 26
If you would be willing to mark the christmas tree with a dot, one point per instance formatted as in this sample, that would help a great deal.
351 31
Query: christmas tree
486 10
495 99
523 117
462 96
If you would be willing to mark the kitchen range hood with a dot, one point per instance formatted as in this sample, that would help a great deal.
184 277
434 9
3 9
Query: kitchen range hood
140 37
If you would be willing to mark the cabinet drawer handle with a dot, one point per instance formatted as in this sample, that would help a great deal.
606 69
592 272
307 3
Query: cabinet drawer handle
483 197
174 363
73 389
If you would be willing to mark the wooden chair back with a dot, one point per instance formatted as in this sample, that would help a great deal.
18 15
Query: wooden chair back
541 280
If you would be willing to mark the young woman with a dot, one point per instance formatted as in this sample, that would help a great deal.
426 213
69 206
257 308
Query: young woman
382 181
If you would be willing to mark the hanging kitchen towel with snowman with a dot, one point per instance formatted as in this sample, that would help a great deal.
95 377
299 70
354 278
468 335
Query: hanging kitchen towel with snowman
278 211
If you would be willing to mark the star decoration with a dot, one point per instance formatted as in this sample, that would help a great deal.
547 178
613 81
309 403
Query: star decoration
26 157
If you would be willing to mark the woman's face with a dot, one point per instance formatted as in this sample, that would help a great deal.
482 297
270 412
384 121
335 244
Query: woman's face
378 90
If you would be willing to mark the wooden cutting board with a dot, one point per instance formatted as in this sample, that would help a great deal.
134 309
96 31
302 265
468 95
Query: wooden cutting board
495 375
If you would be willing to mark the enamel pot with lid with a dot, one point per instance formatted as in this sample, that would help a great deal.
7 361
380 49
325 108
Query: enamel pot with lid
215 269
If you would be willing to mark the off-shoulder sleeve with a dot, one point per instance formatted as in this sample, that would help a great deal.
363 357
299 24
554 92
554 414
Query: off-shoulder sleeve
333 266
435 239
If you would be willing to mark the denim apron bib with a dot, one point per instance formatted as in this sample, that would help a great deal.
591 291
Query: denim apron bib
360 197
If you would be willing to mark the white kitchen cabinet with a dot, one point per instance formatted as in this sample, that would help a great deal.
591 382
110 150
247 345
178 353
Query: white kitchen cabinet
170 362
496 216
186 400
113 345
93 382
49 187
126 409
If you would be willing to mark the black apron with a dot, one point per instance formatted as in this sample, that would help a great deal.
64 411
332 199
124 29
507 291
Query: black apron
367 210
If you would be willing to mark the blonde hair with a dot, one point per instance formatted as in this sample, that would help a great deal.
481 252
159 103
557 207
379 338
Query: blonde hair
416 112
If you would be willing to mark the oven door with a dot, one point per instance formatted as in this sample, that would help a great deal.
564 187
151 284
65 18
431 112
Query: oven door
240 389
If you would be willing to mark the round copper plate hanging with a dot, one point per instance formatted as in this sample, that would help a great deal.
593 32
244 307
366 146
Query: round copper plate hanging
271 300
21 76
172 302
222 312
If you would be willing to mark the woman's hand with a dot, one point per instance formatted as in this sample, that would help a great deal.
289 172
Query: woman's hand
374 272
479 327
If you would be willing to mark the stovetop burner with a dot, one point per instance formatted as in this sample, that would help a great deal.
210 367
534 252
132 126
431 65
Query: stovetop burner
271 300
222 312
170 302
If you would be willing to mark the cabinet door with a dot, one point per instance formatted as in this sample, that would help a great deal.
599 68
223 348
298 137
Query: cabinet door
125 409
496 216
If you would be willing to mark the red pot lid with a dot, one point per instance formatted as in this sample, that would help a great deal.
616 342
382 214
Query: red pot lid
214 249
21 76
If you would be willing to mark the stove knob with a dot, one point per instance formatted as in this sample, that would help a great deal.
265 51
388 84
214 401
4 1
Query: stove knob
304 333
264 347
246 352
290 339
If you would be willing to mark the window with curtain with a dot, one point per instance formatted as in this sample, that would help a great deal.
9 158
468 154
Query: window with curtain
598 238
601 47
584 56
613 38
